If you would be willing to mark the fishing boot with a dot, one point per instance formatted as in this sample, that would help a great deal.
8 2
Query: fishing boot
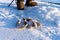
31 3
20 4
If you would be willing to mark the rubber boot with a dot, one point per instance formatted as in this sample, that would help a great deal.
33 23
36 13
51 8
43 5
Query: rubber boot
31 3
20 4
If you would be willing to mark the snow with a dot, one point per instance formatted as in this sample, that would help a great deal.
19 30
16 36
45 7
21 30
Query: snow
56 1
46 13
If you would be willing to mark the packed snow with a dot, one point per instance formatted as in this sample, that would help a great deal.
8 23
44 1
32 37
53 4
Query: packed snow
46 13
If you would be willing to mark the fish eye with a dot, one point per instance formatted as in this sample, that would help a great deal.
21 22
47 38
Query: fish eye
28 19
23 18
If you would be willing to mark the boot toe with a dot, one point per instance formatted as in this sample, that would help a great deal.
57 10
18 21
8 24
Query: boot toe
32 4
20 8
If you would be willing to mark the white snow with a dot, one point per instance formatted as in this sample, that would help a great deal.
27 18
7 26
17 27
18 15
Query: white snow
45 13
2 23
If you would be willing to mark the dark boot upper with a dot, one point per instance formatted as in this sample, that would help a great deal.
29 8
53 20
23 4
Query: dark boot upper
20 4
